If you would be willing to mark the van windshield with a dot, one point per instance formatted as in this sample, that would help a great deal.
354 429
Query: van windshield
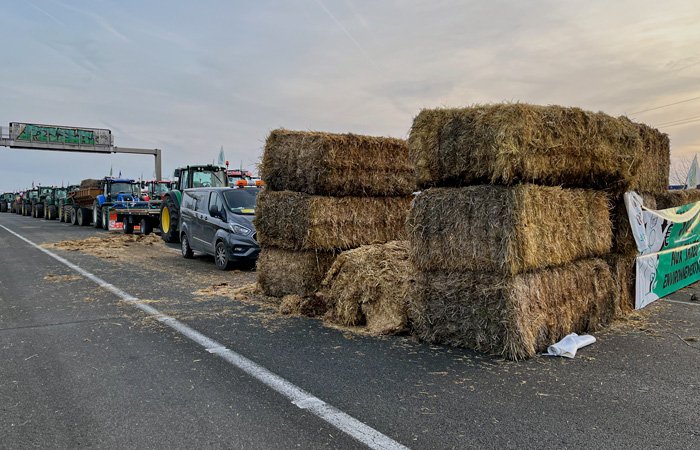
241 201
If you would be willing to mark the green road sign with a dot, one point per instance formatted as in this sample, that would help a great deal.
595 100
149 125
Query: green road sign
42 136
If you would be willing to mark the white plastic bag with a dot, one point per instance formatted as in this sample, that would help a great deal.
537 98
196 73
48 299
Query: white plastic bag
568 346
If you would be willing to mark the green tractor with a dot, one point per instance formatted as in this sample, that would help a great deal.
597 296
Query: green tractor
64 204
38 202
30 197
186 178
6 201
51 202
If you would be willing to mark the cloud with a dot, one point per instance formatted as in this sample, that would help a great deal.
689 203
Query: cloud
188 81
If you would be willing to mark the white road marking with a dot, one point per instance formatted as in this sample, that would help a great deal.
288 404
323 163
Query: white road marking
681 302
299 397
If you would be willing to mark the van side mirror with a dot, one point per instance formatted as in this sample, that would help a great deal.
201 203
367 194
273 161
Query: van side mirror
216 212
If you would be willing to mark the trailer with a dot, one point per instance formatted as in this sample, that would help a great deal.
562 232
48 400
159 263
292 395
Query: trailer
142 216
81 201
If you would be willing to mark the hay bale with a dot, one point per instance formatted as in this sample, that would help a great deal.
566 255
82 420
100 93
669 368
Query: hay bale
283 272
311 306
297 221
676 198
90 184
508 230
623 239
370 286
653 171
623 269
515 317
336 164
551 145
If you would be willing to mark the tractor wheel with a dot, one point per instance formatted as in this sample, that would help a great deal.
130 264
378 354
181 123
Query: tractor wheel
146 227
3 207
74 216
39 211
105 219
128 226
187 252
45 210
83 217
61 218
169 215
96 215
53 212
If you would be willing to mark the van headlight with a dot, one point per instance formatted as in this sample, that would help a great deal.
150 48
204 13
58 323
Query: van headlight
239 229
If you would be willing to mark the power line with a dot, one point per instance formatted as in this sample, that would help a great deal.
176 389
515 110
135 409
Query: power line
682 123
671 122
665 106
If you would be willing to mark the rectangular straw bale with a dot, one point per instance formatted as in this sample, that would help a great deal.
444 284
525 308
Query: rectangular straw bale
283 272
370 286
623 239
336 164
676 198
551 145
507 230
297 221
653 171
515 317
623 269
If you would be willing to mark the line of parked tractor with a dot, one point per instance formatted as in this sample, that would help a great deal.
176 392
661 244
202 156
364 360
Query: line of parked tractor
132 206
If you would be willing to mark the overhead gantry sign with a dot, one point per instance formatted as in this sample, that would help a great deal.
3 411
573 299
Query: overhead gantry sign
69 139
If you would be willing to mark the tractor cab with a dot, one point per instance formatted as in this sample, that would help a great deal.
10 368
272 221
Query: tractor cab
156 190
60 193
120 190
237 176
45 191
200 176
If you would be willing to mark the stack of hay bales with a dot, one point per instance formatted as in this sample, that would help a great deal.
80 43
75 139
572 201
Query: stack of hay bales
650 178
511 237
326 193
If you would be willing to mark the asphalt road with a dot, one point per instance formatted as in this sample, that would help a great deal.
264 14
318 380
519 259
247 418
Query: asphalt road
81 367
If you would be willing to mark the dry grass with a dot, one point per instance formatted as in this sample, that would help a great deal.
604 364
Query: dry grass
336 164
514 317
370 286
62 278
551 145
508 230
676 198
111 245
297 221
284 272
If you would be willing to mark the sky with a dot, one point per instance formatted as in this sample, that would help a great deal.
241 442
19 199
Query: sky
190 77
